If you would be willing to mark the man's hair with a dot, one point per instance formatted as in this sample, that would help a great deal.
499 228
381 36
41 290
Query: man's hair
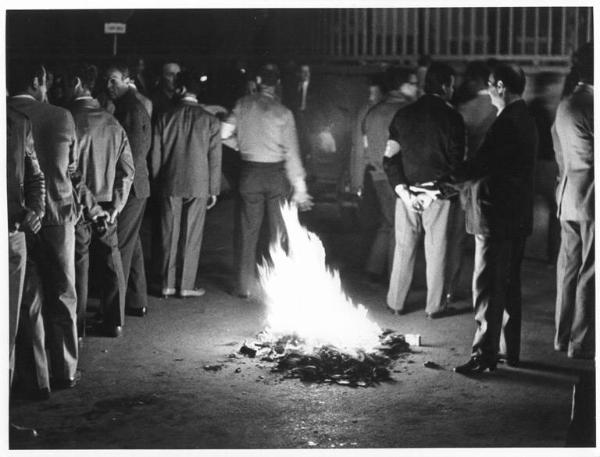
396 76
190 79
268 74
512 76
583 62
120 66
87 74
438 75
21 73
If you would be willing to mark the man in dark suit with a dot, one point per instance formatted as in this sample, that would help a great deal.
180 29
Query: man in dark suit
134 118
498 185
426 142
50 276
186 168
106 170
573 137
163 98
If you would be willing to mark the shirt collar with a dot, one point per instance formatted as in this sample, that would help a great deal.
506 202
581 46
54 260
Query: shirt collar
84 97
24 96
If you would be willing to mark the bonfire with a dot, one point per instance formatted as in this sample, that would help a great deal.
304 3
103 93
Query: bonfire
314 331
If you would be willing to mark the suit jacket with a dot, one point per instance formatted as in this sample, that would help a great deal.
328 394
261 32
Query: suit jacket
186 152
134 118
479 114
25 185
573 138
498 182
105 159
431 135
56 147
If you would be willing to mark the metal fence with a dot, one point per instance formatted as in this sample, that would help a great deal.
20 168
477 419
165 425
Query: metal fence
535 34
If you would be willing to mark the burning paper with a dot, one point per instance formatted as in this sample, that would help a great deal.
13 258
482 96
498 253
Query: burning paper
304 298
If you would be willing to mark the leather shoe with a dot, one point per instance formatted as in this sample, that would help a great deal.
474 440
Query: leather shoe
137 312
510 361
18 432
186 293
114 331
475 365
395 312
448 311
68 383
42 394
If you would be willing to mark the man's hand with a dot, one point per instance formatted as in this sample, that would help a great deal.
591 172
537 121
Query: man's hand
404 194
112 216
212 201
302 200
31 222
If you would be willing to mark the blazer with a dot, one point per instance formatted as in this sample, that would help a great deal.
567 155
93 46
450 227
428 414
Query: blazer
56 148
105 159
573 139
431 135
498 181
134 118
186 152
25 185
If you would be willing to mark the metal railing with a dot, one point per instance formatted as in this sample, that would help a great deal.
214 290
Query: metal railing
535 34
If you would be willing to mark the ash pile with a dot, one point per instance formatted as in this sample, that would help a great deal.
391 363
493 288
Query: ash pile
291 357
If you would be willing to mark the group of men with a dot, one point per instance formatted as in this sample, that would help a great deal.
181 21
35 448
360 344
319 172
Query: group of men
447 170
87 172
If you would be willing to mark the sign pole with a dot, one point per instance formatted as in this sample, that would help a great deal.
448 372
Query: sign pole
114 44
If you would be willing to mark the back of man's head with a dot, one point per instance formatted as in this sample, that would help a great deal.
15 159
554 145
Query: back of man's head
268 75
85 72
188 79
512 76
438 74
20 75
396 76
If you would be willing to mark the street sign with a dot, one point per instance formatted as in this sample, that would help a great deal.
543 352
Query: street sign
115 28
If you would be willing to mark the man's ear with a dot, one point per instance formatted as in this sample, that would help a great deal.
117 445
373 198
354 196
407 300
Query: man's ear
35 83
78 83
500 87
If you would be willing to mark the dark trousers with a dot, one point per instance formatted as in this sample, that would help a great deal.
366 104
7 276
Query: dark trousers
575 290
111 280
497 296
130 246
182 228
263 188
381 254
50 287
17 258
458 239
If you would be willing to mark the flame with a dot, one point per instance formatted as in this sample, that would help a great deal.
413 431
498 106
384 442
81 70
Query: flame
304 298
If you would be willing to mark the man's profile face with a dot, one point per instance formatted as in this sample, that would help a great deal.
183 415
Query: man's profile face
169 75
117 84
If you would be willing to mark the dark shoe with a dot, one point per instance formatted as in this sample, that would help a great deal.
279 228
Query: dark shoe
560 347
137 312
580 354
475 365
43 394
110 330
61 384
448 311
510 361
187 293
395 312
241 294
20 433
